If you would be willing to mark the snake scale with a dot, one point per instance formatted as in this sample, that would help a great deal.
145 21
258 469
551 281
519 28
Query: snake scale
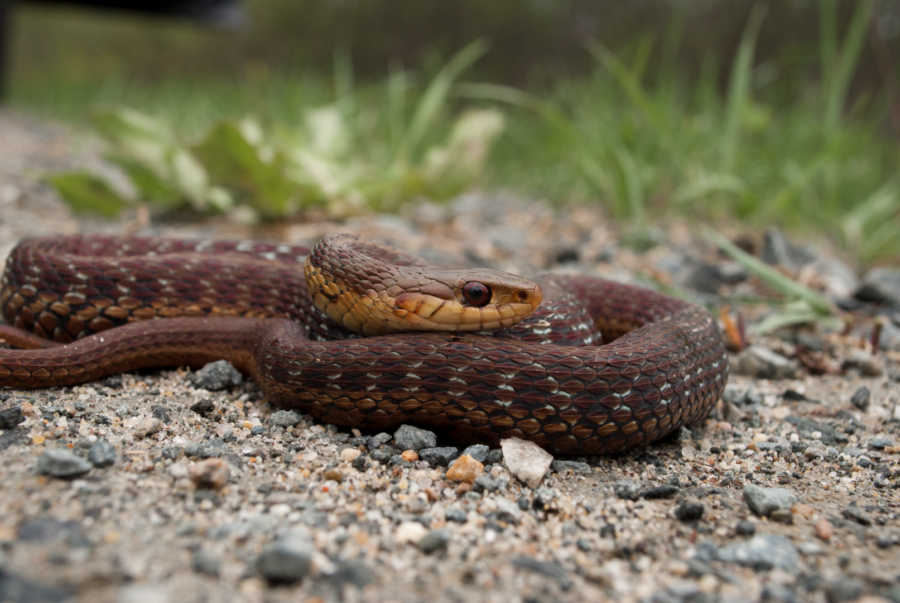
80 306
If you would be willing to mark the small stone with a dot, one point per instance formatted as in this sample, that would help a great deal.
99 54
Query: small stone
803 510
860 398
216 376
172 452
762 552
881 286
815 450
147 427
484 483
11 417
763 501
526 460
657 492
436 540
409 456
479 452
285 418
257 430
824 529
102 454
204 407
543 497
348 455
410 437
113 382
573 466
359 463
410 531
761 362
507 510
205 562
627 490
465 469
439 457
353 572
287 559
159 412
211 473
782 516
862 361
745 528
550 569
455 515
689 511
62 463
844 589
880 443
334 475
856 514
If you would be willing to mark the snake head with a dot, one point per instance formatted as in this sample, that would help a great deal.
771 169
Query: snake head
373 289
464 300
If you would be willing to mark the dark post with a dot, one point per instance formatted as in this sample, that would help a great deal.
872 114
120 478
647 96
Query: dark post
4 43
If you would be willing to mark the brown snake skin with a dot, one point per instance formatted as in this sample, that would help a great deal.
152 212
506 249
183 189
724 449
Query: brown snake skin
248 303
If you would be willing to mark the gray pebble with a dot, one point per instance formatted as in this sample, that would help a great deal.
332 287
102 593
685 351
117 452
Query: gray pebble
62 463
204 407
484 483
844 589
102 454
410 437
11 417
860 398
882 286
761 553
216 376
573 466
763 501
494 456
287 559
862 361
761 362
689 511
285 418
549 569
205 562
543 497
352 572
853 512
627 490
381 455
439 457
455 515
435 540
657 492
508 511
745 528
257 430
479 452
359 463
880 443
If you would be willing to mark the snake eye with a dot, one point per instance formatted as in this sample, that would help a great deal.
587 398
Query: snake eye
477 294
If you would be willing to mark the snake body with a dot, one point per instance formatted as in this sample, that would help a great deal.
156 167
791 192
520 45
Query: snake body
82 306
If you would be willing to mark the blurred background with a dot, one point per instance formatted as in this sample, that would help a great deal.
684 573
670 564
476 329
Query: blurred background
766 113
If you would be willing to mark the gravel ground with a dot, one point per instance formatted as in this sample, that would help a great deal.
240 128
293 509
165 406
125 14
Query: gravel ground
178 486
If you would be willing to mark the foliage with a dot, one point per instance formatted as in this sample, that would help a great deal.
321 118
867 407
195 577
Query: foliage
336 157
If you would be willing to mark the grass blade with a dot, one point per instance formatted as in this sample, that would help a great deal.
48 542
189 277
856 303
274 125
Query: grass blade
844 66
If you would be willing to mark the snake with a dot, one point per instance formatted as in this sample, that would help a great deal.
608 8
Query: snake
359 334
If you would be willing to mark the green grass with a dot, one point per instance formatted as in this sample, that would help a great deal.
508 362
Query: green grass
645 142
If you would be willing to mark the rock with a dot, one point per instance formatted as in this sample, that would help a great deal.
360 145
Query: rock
479 452
62 463
439 457
763 552
409 456
465 469
287 559
824 529
334 474
757 361
836 276
889 338
285 418
410 531
880 443
573 466
844 589
778 250
11 417
378 441
864 362
627 490
147 427
666 491
860 398
456 515
436 540
815 450
410 437
881 286
359 463
352 572
853 512
216 376
807 427
550 569
507 510
204 407
526 460
484 483
745 528
102 454
763 501
348 455
689 511
205 562
543 497
211 473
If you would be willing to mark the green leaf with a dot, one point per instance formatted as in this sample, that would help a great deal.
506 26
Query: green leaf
796 313
88 193
772 277
149 186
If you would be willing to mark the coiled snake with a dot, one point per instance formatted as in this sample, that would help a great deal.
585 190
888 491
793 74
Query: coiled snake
81 304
